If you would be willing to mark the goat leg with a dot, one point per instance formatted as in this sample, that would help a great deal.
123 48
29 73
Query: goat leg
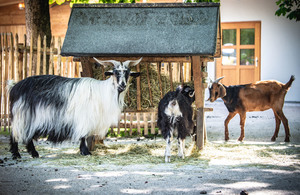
242 124
14 148
285 124
278 121
168 149
31 149
181 148
83 148
229 117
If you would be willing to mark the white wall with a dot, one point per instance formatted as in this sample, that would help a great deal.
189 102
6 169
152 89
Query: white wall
280 40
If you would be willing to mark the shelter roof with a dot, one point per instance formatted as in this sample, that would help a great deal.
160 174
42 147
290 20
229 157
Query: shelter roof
164 29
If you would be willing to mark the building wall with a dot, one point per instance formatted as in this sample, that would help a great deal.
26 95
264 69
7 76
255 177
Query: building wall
280 40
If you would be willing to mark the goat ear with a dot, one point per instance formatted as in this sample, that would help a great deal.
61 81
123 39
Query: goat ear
135 74
129 63
108 73
107 62
222 91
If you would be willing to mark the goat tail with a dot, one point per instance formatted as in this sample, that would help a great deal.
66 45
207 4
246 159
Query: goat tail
289 83
9 85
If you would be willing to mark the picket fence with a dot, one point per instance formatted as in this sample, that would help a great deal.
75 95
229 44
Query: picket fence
16 63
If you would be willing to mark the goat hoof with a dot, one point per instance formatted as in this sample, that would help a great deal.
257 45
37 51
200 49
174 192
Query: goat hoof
85 153
181 156
287 139
226 139
167 159
273 139
35 155
16 156
240 139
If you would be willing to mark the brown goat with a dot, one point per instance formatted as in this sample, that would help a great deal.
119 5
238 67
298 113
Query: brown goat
259 96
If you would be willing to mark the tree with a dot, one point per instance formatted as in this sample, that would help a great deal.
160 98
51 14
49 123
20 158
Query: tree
289 7
37 22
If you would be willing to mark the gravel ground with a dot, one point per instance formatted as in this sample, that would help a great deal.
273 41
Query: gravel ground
257 165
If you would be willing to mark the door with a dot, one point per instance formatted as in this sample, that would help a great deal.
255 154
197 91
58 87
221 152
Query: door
240 59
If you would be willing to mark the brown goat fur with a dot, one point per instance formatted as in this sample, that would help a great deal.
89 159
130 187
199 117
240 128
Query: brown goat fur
259 96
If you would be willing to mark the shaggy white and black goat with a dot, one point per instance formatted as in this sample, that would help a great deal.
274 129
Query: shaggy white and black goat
67 108
175 115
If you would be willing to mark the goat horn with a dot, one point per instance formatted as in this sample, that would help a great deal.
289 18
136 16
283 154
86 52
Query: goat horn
192 95
218 80
107 62
129 63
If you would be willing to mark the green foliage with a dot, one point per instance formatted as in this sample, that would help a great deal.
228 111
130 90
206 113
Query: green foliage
291 8
197 1
60 2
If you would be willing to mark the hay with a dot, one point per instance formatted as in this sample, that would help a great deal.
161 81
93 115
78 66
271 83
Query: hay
131 97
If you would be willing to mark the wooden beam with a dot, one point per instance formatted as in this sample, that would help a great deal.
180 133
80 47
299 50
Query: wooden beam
87 70
145 59
199 100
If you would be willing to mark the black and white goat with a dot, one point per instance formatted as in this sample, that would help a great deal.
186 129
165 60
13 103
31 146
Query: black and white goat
67 108
175 115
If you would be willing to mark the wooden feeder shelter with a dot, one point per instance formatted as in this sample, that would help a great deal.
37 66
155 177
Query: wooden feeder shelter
163 32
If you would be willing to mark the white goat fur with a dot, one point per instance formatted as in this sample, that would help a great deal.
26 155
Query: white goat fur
91 109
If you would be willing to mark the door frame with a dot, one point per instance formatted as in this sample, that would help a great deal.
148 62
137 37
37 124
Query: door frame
257 56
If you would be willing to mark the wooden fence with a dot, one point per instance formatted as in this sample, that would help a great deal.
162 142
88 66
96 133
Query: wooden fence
16 63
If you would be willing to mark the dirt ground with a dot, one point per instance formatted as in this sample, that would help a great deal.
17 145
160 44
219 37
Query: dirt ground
129 166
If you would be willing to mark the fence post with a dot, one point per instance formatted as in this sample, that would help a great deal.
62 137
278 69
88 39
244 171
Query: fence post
16 64
51 71
30 56
58 56
45 55
38 56
25 73
1 82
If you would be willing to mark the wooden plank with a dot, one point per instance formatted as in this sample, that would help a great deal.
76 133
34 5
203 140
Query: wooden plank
145 123
181 73
30 56
159 79
118 128
11 56
199 101
1 82
153 123
16 61
149 84
5 70
38 56
138 89
87 70
138 119
171 75
25 71
131 126
125 122
44 55
51 62
59 56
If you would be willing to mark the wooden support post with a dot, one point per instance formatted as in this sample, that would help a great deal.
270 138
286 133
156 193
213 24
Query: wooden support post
199 95
1 85
171 75
87 71
139 100
159 79
149 84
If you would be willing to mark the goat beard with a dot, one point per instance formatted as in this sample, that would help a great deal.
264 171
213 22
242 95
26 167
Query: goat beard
121 97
